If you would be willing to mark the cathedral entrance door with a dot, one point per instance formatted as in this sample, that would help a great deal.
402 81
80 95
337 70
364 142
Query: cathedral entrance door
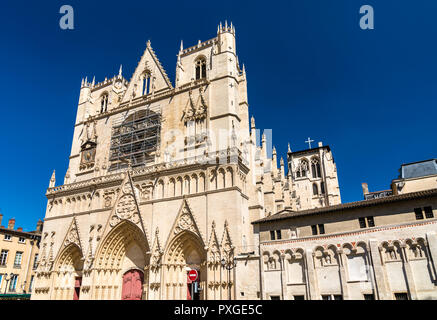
77 284
132 285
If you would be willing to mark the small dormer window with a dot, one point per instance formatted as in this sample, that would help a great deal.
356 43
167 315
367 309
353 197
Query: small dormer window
104 103
200 68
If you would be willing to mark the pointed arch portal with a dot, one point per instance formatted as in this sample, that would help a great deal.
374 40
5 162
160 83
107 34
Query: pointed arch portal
120 261
185 252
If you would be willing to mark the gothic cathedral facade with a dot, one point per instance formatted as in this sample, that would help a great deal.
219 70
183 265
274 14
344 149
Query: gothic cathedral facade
163 179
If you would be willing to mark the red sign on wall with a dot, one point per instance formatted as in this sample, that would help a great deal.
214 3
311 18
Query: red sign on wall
192 275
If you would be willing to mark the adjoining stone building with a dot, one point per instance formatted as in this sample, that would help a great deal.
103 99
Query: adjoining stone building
18 258
381 248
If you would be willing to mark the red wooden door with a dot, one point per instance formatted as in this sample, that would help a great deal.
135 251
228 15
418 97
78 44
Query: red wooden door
77 284
132 285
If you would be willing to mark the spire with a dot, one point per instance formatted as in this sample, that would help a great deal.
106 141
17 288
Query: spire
263 146
81 84
281 163
52 180
94 81
67 176
226 25
289 149
244 70
86 81
274 162
182 46
148 44
121 70
252 123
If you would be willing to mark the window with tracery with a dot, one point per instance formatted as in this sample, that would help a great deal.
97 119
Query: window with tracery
302 169
200 68
315 168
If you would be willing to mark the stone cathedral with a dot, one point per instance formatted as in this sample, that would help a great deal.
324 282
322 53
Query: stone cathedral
164 178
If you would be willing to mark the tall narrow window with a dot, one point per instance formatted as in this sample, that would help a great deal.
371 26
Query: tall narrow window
314 230
322 187
278 235
31 283
35 261
315 189
104 103
13 283
3 257
200 68
146 84
18 257
315 168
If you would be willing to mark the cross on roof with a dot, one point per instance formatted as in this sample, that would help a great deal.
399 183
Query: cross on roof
309 142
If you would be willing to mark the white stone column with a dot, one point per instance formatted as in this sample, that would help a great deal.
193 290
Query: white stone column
431 238
408 273
343 277
312 287
382 289
283 278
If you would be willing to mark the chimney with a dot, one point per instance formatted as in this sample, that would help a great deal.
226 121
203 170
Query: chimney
394 188
365 188
11 224
19 229
39 225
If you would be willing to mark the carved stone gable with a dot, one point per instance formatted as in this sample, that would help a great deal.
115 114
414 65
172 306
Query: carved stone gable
73 235
126 207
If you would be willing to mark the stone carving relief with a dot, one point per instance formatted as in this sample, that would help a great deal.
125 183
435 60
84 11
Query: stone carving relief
126 207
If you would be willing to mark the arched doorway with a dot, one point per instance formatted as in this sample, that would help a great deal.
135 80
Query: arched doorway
185 252
132 288
68 274
121 252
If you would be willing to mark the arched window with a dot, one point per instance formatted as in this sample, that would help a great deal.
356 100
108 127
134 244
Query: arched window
146 83
322 187
315 168
104 103
302 169
200 68
315 189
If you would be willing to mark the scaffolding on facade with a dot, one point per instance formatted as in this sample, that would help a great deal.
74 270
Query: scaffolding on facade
135 138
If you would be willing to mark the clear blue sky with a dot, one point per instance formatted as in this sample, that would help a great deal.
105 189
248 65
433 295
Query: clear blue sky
371 95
